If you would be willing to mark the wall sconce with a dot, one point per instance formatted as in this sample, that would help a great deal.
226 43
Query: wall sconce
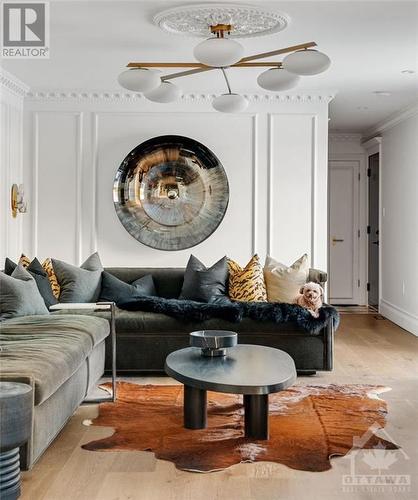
17 200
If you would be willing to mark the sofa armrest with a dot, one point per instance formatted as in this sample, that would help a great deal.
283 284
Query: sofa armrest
328 337
317 276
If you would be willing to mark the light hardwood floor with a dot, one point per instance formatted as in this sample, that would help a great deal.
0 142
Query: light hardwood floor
368 350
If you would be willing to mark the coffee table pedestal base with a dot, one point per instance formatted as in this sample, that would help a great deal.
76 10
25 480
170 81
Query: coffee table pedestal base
256 409
194 408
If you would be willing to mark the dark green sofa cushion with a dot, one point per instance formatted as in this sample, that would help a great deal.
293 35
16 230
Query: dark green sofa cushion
116 290
132 323
168 281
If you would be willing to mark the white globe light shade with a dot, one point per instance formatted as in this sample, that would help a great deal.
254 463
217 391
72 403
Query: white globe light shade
306 62
166 92
230 103
218 52
277 79
139 79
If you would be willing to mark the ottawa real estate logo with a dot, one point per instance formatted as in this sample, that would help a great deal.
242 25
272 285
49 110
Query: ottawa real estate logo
25 30
377 470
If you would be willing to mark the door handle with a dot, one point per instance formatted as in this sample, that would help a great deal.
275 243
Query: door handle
375 242
336 240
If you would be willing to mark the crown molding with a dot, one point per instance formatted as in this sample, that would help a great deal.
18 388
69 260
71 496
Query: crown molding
344 137
112 96
13 84
371 143
392 121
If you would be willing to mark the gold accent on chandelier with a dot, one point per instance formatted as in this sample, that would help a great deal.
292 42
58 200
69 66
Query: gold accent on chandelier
220 29
245 62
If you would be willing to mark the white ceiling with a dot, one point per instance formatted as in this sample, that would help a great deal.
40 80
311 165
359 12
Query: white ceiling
370 43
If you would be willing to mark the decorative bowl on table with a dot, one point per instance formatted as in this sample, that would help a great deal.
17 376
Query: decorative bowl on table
213 342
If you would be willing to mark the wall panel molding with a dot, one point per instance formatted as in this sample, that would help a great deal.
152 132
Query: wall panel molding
95 168
79 204
255 166
269 181
97 118
314 162
12 91
90 148
276 158
35 183
40 133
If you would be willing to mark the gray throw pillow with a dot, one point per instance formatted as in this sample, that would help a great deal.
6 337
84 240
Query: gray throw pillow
19 295
204 284
79 284
116 290
39 274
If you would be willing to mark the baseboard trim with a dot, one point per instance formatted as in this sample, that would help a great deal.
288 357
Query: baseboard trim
399 316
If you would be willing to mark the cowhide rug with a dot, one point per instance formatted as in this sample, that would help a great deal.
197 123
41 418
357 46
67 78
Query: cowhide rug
308 425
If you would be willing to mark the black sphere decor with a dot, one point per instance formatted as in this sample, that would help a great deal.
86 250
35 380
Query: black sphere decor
171 192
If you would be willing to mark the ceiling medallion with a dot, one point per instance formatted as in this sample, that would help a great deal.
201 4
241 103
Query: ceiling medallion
247 20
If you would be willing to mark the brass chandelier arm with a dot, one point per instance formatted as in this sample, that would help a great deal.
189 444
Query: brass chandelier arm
278 51
166 65
245 62
272 64
187 73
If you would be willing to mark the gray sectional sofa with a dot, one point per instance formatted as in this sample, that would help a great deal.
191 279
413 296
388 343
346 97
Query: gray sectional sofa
62 358
63 355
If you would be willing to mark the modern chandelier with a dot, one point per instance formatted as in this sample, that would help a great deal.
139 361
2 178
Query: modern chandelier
221 52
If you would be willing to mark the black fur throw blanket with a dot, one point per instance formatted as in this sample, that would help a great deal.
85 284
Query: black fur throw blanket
189 310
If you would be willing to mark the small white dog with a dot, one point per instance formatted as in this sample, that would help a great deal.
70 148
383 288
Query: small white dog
310 297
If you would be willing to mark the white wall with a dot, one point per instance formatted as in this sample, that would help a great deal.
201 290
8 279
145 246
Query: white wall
12 92
399 221
275 156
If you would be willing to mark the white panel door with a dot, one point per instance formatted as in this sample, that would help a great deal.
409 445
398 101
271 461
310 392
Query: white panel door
343 232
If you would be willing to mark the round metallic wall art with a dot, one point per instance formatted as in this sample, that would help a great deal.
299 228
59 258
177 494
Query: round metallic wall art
171 192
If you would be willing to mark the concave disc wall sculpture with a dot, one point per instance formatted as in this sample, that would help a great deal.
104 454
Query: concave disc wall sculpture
171 192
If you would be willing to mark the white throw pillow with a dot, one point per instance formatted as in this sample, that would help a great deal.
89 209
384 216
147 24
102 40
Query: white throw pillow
282 282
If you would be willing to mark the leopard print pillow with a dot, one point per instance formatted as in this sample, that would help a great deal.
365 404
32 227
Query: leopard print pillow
247 284
24 261
48 268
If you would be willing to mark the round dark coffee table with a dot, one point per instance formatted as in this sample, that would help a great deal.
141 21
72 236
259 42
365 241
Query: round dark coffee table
251 370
